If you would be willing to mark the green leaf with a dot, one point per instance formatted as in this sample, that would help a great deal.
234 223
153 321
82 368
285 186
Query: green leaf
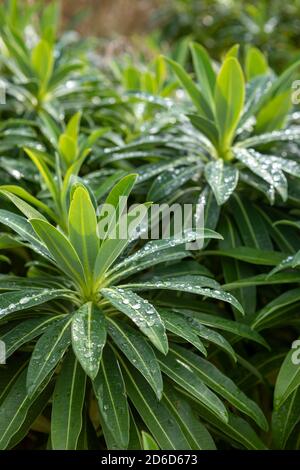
112 247
25 332
272 308
23 228
229 100
24 207
222 179
73 126
148 442
192 90
67 405
117 198
15 301
250 255
68 148
239 329
264 279
83 229
42 60
250 223
110 392
236 429
233 51
265 169
288 379
188 328
205 126
274 114
141 312
157 417
89 337
190 284
184 376
233 269
13 410
255 63
166 184
47 353
23 194
9 375
138 352
155 247
195 432
284 419
221 384
205 74
61 249
179 326
34 411
37 158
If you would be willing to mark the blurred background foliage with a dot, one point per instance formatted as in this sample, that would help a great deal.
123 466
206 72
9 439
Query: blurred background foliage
271 25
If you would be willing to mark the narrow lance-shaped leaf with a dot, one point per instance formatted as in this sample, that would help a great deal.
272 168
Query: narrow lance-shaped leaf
204 71
25 332
13 410
89 337
284 419
229 100
67 405
237 328
83 229
270 310
191 285
221 384
117 198
192 90
288 379
138 352
22 227
222 180
34 411
235 430
37 159
141 312
60 248
26 196
115 244
195 432
11 302
185 377
148 442
47 353
256 63
157 417
189 328
179 325
110 392
156 247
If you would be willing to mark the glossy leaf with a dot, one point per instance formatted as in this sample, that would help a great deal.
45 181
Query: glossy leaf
89 337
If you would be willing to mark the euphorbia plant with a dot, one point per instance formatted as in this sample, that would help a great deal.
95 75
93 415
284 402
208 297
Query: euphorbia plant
57 174
103 331
239 121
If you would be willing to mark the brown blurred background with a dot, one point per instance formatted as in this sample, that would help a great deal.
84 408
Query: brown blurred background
109 17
